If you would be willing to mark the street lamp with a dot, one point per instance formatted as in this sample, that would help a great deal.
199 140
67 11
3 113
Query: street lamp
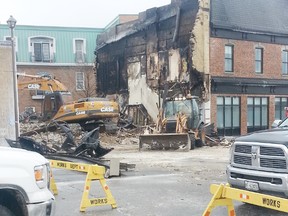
12 23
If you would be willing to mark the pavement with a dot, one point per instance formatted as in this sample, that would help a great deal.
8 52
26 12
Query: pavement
161 184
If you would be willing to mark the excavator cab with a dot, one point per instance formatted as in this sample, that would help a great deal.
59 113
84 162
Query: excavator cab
52 103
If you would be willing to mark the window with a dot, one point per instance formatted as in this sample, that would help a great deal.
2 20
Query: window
229 55
259 60
257 117
280 104
285 62
42 49
80 81
79 50
228 116
41 52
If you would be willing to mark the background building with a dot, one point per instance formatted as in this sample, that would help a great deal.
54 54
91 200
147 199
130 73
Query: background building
64 52
7 111
248 64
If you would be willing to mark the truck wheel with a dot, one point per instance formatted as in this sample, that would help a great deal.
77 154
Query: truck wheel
4 211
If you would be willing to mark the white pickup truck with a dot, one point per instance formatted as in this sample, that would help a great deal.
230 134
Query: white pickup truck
24 184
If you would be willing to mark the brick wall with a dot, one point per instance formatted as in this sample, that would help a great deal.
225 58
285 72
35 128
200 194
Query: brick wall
66 75
244 66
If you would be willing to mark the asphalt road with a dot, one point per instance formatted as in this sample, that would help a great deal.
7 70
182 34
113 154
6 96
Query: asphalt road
155 189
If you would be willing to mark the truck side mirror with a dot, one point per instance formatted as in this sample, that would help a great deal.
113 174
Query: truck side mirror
276 123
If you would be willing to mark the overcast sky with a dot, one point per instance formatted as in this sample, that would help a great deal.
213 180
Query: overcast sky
75 13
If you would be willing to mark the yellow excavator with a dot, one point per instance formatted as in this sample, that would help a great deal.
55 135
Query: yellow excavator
59 105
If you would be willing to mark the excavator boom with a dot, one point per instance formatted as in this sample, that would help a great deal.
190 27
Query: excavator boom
59 105
44 83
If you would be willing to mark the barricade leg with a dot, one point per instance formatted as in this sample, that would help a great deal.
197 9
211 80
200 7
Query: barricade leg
53 186
219 200
96 173
230 207
108 193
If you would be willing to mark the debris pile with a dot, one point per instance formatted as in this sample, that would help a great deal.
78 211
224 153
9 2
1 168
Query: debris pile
53 136
59 138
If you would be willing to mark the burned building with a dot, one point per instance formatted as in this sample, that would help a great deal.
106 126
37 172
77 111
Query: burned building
239 46
136 59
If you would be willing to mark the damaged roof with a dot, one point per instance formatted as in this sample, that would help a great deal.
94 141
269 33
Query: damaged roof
145 19
259 16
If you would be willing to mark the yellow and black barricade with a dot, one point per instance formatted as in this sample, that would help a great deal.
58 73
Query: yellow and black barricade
223 195
94 173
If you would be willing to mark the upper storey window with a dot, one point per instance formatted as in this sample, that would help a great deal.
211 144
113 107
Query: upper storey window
229 58
285 62
42 49
79 47
259 60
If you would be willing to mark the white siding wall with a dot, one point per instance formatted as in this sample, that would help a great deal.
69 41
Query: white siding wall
7 123
139 92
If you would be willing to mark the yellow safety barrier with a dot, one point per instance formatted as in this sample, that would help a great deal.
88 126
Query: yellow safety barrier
94 172
224 196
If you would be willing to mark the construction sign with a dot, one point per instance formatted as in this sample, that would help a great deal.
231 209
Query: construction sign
94 173
224 196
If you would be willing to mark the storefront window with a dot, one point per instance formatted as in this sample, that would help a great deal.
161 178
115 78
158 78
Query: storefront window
257 117
228 116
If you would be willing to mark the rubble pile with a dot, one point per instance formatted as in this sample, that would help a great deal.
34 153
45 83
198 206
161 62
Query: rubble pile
55 138
52 139
123 138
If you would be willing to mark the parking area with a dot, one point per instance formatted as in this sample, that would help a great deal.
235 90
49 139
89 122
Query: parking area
162 183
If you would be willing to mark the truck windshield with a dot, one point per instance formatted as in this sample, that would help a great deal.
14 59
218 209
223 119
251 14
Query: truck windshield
187 107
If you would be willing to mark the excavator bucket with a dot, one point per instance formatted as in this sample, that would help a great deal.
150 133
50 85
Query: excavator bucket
166 141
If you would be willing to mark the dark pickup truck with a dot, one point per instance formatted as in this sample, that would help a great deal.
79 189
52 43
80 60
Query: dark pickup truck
258 161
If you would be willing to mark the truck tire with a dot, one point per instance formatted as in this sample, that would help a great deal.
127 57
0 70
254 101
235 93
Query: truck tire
4 211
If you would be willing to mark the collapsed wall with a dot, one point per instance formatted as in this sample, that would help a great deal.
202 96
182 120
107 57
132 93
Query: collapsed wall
7 116
170 43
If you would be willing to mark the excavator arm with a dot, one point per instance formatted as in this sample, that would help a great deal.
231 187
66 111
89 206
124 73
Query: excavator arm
60 106
44 83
